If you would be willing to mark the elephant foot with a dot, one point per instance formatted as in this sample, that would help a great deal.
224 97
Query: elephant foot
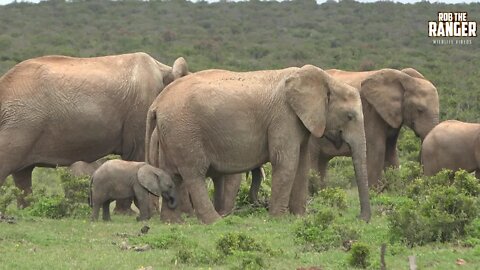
210 218
365 217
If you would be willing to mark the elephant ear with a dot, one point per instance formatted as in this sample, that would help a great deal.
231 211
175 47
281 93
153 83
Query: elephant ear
149 180
307 93
179 68
413 72
385 92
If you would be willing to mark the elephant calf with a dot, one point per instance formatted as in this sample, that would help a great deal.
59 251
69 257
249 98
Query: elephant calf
119 179
452 145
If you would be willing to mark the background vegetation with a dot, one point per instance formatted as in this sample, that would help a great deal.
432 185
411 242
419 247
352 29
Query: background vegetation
55 231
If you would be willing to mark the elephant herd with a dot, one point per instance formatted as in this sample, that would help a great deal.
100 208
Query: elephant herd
174 128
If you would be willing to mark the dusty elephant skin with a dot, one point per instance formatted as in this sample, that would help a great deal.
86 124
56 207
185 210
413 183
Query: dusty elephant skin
452 145
61 109
218 122
119 179
82 168
390 98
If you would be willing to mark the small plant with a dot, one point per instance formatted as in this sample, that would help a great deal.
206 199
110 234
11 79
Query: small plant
359 255
54 206
395 180
233 242
334 197
195 256
251 261
320 231
441 208
8 194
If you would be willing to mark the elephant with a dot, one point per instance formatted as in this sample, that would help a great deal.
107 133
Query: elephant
63 109
82 168
452 145
390 98
120 179
219 122
225 188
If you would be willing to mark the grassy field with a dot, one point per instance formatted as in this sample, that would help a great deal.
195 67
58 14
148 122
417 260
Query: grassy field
41 243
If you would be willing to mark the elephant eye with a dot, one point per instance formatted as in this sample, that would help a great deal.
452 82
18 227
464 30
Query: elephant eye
350 116
420 109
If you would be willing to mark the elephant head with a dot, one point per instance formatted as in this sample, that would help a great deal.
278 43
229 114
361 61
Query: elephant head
403 97
159 183
338 118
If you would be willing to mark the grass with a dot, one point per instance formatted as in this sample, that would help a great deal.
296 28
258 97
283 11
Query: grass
40 243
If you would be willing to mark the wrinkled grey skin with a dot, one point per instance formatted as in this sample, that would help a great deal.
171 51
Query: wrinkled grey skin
452 145
60 109
82 168
218 122
119 179
225 189
390 99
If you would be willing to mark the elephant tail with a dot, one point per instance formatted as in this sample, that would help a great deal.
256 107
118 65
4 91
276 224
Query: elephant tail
150 126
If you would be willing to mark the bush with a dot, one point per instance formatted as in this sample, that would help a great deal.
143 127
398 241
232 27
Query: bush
395 180
54 206
233 242
8 194
441 208
166 240
359 255
334 197
320 231
195 256
251 261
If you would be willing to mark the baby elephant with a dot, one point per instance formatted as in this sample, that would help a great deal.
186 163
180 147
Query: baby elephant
119 179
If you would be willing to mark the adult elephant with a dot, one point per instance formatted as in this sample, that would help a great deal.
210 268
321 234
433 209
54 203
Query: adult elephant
55 110
225 188
452 145
390 98
219 122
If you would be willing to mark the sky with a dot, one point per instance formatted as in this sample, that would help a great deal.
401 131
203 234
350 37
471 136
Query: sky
4 2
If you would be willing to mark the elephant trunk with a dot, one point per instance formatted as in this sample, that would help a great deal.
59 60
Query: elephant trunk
171 199
359 157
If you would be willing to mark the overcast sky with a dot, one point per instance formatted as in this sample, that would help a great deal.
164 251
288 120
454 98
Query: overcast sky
3 2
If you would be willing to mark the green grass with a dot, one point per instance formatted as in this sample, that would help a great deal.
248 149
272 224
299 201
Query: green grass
39 243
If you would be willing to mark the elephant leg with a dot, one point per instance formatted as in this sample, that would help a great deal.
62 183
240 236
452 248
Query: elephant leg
255 186
298 195
143 205
23 180
201 203
123 207
317 183
184 205
391 156
218 192
95 211
284 167
230 190
375 162
106 210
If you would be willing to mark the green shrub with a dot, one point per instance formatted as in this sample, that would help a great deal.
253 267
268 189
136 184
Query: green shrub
54 206
395 180
334 197
341 173
441 208
166 240
251 261
8 195
359 255
472 232
321 231
234 242
195 256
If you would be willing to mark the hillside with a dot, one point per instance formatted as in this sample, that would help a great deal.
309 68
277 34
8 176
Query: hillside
254 35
